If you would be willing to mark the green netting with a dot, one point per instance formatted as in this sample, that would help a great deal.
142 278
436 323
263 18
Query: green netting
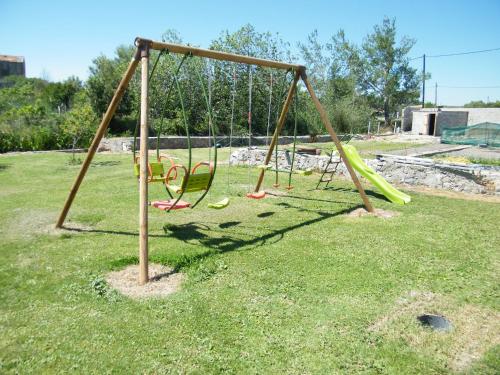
486 133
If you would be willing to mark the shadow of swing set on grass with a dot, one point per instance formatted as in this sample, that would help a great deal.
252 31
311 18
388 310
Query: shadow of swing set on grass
217 238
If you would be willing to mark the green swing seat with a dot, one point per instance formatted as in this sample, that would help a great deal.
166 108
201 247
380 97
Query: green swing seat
195 182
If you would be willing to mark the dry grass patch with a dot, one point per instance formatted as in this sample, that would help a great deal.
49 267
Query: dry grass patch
474 329
453 194
385 214
162 281
29 223
68 228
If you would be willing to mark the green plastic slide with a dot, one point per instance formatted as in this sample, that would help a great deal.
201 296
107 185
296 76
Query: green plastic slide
391 193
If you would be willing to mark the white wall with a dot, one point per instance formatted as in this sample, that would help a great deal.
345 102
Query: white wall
419 124
479 115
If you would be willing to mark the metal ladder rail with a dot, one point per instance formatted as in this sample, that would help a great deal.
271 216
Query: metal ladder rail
328 172
344 139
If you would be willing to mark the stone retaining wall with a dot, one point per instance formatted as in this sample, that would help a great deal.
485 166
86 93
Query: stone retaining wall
469 179
121 144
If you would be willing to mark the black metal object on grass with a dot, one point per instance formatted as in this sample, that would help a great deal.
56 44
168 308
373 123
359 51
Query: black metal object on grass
436 322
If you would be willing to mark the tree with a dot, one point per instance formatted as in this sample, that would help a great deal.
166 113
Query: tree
17 91
481 104
60 95
80 123
105 75
381 67
248 41
335 84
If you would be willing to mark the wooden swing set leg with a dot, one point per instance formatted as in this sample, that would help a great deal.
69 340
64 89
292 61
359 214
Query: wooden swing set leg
329 128
143 170
141 54
98 136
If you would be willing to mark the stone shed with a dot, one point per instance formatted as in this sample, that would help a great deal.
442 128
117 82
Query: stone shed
12 65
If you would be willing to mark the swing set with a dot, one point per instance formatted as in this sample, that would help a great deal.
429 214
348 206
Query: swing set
192 179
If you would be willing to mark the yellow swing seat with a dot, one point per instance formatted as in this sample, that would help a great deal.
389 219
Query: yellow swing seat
220 204
156 170
264 166
304 172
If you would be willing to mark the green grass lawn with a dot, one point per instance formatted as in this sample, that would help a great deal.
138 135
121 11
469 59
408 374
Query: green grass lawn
367 149
281 285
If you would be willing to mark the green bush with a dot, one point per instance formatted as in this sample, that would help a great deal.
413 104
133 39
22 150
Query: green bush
348 117
31 138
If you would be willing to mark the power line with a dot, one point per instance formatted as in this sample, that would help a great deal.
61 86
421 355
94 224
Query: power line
457 53
466 53
469 87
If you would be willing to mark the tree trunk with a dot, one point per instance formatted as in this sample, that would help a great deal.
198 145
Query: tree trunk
75 140
387 118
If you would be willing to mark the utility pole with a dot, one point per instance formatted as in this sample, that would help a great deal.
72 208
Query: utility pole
436 95
423 82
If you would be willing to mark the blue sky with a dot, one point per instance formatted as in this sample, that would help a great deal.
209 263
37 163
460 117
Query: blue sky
60 38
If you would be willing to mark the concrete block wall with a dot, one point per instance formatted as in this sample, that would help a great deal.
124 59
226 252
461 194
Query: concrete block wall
446 119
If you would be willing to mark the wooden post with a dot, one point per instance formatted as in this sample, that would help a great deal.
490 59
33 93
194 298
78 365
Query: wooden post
329 128
143 169
279 126
98 136
217 55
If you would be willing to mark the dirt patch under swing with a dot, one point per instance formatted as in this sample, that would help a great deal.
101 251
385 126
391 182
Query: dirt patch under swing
360 212
163 281
276 193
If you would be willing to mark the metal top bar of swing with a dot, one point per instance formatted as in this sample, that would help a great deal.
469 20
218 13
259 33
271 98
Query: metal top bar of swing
217 55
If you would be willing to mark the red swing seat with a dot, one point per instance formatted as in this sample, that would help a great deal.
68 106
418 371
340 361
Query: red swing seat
257 195
169 205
